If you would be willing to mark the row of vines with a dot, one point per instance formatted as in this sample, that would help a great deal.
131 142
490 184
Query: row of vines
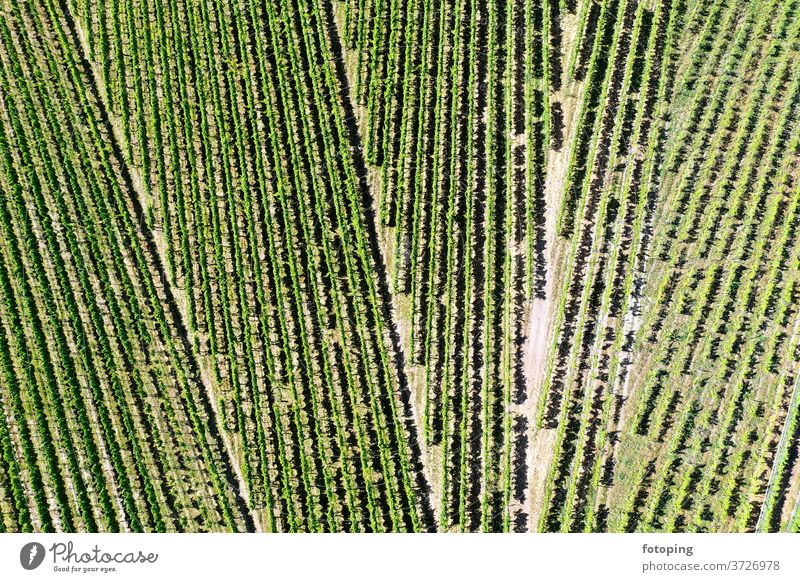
105 423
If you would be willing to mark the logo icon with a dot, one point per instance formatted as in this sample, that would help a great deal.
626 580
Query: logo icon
31 555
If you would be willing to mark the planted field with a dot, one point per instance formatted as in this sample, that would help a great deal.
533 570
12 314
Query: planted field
384 265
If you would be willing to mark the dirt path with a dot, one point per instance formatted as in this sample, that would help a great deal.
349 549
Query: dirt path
541 314
537 345
540 334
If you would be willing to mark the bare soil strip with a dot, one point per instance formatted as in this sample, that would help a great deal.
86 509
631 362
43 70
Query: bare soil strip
540 329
